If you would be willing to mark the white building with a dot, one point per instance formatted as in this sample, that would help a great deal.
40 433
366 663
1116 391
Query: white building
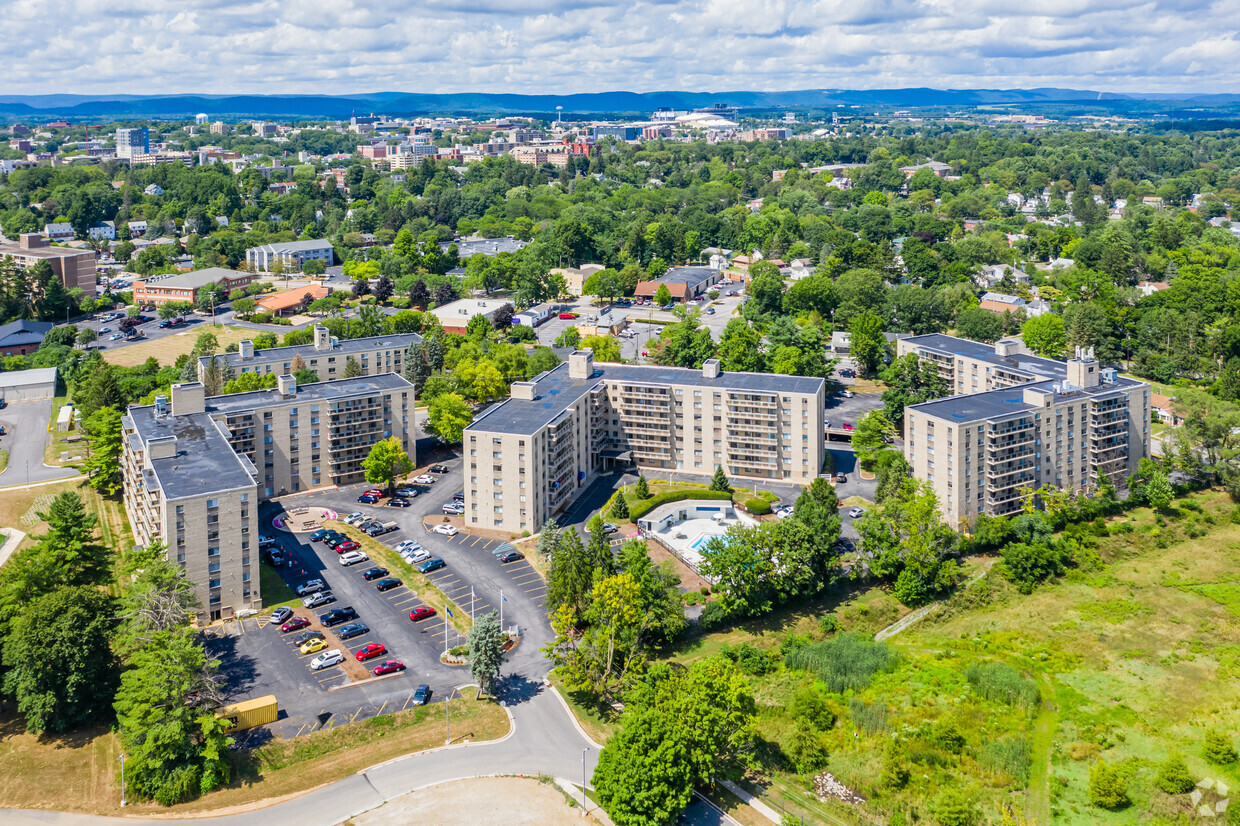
293 254
133 141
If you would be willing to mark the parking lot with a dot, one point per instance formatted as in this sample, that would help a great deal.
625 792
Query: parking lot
258 659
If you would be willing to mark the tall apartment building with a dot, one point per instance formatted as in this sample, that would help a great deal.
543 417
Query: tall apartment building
1018 420
74 267
326 356
530 456
133 141
195 469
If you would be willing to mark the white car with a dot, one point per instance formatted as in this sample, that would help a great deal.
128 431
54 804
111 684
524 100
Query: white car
446 530
115 337
408 545
856 513
414 557
424 479
327 659
355 518
848 394
353 557
783 513
406 492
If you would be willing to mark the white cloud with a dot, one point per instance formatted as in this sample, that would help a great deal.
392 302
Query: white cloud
564 46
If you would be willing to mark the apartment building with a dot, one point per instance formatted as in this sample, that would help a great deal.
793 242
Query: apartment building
532 455
292 254
74 267
326 356
1019 421
161 289
131 142
196 468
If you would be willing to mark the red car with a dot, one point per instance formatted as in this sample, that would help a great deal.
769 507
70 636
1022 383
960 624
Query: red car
846 425
370 651
295 624
387 667
348 545
374 492
568 316
421 613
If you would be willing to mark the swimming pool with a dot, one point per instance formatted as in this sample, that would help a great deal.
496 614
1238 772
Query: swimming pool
701 541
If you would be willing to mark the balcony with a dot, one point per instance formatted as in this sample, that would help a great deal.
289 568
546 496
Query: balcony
1022 438
1012 482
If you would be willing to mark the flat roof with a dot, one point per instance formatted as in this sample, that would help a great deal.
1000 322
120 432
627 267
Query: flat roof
1034 366
195 278
295 246
307 351
555 391
1008 401
21 378
687 275
204 462
485 246
322 391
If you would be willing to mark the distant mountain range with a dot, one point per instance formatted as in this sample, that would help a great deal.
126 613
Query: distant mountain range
97 107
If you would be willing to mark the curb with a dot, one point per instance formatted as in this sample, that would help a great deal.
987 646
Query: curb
569 711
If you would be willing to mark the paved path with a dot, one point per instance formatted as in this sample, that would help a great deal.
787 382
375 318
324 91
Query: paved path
909 619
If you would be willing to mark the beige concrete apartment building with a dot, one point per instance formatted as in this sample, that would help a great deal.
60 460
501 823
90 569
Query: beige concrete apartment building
75 267
195 468
1020 421
326 356
528 458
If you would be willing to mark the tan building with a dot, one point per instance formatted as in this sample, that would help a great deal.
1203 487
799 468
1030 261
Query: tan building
575 277
326 356
195 468
74 267
184 286
1020 421
530 456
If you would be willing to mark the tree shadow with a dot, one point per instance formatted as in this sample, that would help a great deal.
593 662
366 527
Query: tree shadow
238 670
514 689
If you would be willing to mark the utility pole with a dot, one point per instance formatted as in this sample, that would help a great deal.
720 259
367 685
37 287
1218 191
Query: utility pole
122 759
583 782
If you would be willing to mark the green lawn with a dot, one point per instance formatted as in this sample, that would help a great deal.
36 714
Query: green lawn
275 591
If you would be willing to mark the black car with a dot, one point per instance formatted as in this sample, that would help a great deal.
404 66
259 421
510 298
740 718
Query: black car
398 502
337 616
459 496
333 541
374 573
511 556
420 695
355 629
839 477
380 530
305 637
388 583
439 469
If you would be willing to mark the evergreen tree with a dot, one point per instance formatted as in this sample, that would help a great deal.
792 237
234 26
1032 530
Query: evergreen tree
352 368
620 508
641 490
1218 748
1108 789
720 480
103 463
599 548
486 651
1174 777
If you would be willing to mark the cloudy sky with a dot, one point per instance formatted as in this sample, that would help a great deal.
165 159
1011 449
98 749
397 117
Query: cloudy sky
561 46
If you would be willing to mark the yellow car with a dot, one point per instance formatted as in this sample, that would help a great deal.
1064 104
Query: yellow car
313 645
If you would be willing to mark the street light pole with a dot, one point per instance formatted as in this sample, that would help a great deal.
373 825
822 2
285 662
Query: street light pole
583 782
122 758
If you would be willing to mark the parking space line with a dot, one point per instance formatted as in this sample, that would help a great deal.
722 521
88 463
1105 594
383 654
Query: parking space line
402 708
524 578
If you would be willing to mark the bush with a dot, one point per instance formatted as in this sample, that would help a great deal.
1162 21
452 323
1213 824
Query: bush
869 717
848 661
953 808
1174 777
1009 756
647 505
713 616
805 750
1107 787
1001 683
946 735
809 706
620 510
751 660
829 623
758 507
1218 748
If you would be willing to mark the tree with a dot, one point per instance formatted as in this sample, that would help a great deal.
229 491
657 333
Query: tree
740 347
766 287
866 341
352 368
641 490
384 289
501 320
249 382
244 307
478 328
58 652
1174 777
1158 492
314 266
644 775
1044 335
386 462
620 508
87 335
213 377
1218 748
570 579
720 480
606 349
103 463
954 808
740 563
599 547
662 296
910 381
979 325
870 436
305 375
447 416
1108 788
486 651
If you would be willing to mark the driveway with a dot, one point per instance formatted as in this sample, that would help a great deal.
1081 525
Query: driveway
25 438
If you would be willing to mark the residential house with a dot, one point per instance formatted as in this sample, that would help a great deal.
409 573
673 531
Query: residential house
58 232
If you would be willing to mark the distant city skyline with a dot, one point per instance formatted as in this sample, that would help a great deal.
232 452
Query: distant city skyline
572 46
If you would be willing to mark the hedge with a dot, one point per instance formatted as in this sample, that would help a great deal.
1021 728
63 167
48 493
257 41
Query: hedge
647 505
757 507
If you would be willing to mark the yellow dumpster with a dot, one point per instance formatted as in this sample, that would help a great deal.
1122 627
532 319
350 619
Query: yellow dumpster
250 713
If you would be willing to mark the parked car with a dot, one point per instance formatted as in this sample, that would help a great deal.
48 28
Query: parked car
327 659
374 573
367 499
848 394
295 624
511 556
263 541
398 502
431 565
407 545
353 557
311 587
840 478
856 513
321 598
354 518
439 469
305 637
353 629
422 612
372 492
609 528
421 695
453 509
568 316
846 425
272 556
280 615
407 491
311 646
446 530
420 555
370 651
319 535
848 374
346 546
116 337
387 584
388 667
459 496
337 617
424 479
336 541
380 530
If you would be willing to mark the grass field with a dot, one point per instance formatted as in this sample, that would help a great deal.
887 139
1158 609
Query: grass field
81 773
165 350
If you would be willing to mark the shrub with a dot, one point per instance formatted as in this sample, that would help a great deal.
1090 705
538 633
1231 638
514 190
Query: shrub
946 735
1001 683
791 642
848 661
953 808
895 773
869 717
1009 756
758 507
751 659
809 706
805 750
713 616
692 598
1107 787
1174 777
829 623
647 505
1218 748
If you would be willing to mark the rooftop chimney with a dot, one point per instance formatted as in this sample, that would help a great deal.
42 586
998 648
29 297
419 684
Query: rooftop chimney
710 369
189 397
162 447
287 386
31 241
247 350
581 364
322 339
523 391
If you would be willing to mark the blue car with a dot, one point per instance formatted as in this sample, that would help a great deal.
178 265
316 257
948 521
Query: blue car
432 565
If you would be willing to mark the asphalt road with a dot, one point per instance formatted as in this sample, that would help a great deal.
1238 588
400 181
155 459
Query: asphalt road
25 438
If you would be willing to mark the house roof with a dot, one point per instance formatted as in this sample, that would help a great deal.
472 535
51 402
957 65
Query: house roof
1000 307
291 298
24 331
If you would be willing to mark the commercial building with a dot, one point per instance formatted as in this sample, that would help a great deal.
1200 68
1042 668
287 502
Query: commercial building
684 283
289 302
74 267
131 142
532 455
195 468
326 356
28 385
184 286
1018 421
22 337
617 131
456 315
293 255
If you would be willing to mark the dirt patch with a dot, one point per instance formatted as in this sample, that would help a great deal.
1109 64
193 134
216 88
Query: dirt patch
485 801
165 350
688 577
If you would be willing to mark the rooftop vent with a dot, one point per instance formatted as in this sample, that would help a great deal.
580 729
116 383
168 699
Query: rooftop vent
161 406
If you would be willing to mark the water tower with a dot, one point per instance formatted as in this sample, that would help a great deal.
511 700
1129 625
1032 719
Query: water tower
201 118
559 114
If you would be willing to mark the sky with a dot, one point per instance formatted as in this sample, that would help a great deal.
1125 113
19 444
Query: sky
569 46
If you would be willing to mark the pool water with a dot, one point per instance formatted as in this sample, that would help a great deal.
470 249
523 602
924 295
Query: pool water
701 541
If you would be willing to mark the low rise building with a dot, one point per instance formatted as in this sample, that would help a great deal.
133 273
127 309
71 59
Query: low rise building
532 455
74 267
161 289
58 232
22 337
289 302
326 356
293 255
684 283
456 315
